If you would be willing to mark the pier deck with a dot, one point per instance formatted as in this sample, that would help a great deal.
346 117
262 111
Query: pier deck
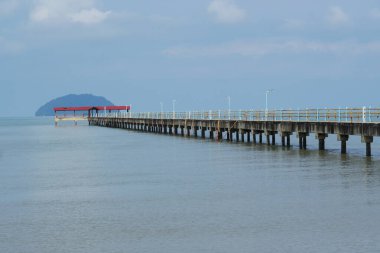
252 126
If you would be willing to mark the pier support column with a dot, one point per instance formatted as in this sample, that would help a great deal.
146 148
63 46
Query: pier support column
254 137
321 140
268 138
260 138
182 131
273 138
230 135
220 134
195 130
203 132
242 135
175 130
302 139
211 133
248 136
343 141
237 135
367 140
188 131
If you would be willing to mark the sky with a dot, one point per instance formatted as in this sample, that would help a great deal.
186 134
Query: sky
313 54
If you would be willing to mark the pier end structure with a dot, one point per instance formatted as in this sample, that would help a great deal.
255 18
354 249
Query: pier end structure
81 113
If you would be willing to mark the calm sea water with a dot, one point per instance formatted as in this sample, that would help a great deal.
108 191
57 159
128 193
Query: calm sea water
92 189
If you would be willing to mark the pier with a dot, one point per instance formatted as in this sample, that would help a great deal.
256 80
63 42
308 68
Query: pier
255 126
81 113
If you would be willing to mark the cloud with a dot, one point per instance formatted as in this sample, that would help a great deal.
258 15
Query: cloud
67 11
375 13
8 6
262 48
337 16
91 16
226 11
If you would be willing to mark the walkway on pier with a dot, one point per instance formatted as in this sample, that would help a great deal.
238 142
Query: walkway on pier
244 125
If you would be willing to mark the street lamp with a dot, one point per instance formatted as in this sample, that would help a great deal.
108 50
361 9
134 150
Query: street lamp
162 108
267 92
174 108
229 107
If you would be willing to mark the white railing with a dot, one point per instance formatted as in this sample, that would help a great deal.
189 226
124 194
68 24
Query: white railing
351 115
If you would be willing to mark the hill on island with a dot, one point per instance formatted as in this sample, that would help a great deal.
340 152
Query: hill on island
72 100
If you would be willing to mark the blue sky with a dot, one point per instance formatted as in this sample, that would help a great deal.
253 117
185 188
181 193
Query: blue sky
312 53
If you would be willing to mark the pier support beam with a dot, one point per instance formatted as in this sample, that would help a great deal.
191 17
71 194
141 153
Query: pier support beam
321 140
367 140
343 139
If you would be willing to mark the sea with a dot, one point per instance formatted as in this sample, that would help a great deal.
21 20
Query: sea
93 189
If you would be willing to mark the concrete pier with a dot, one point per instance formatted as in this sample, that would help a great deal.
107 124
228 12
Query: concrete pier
241 129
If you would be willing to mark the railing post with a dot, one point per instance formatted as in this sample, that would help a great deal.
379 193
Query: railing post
299 115
369 114
339 114
364 114
317 115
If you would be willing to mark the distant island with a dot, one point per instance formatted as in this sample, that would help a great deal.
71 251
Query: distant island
72 100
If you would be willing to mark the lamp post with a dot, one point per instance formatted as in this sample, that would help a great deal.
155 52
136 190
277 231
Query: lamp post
174 108
267 92
229 107
162 108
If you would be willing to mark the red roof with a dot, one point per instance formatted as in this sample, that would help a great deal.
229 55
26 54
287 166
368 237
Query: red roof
86 108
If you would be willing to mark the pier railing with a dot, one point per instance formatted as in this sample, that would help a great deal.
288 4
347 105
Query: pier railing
351 115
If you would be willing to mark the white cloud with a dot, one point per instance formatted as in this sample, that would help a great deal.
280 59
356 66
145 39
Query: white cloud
337 16
63 11
262 48
375 13
8 6
91 16
226 11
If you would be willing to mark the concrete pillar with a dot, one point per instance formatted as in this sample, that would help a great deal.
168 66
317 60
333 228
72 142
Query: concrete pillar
321 140
242 135
260 138
268 138
367 140
274 139
203 132
248 136
254 137
343 138
230 135
188 131
195 130
283 140
182 131
175 130
220 135
211 133
304 142
237 135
